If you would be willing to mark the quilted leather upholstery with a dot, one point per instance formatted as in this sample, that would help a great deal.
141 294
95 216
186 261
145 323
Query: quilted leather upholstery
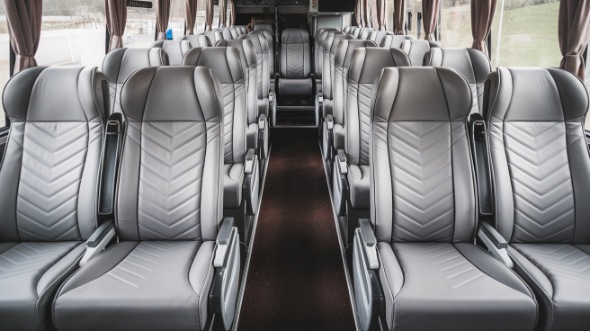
175 50
168 207
49 182
471 63
424 211
541 165
120 63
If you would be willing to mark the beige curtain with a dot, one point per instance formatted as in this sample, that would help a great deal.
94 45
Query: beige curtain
381 12
482 15
367 13
358 13
208 15
191 16
24 25
574 34
430 17
162 18
232 13
222 13
399 16
373 14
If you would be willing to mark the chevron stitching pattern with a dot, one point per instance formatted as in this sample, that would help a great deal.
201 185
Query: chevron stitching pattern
562 263
53 160
230 92
29 260
441 261
172 160
295 63
115 93
365 92
543 194
151 261
575 132
420 155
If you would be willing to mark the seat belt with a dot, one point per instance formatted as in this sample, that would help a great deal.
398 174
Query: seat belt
479 150
112 146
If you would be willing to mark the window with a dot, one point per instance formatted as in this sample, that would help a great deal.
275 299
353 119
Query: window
524 33
413 7
140 31
72 33
177 14
455 23
4 60
200 25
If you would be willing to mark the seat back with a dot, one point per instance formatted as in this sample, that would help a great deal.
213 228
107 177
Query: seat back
295 59
226 33
394 41
248 61
170 184
320 38
198 40
226 65
241 29
49 172
422 185
342 60
234 32
271 50
417 50
365 67
539 155
356 31
377 37
263 27
365 34
347 29
262 61
330 45
175 49
471 63
120 63
214 36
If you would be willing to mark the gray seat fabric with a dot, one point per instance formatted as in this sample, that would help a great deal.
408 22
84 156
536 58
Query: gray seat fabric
471 63
425 213
226 65
198 40
365 34
175 50
394 41
417 50
120 63
169 205
365 66
49 178
295 63
541 166
330 45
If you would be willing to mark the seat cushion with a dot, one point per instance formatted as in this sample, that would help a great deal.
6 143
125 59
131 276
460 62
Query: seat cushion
30 273
295 86
359 182
153 285
444 286
560 276
233 181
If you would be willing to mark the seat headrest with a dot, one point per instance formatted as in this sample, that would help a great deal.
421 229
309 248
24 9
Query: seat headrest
345 49
534 94
198 40
337 40
417 50
120 63
175 49
471 63
256 42
367 63
225 62
295 36
244 46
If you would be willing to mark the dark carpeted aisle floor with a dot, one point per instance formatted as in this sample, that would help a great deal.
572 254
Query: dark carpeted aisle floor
296 279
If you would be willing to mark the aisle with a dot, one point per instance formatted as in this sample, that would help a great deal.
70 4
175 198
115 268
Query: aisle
296 279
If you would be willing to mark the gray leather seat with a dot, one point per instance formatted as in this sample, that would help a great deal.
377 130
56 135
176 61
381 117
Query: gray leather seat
365 34
347 29
378 37
120 63
241 29
417 50
394 41
330 44
198 40
214 36
541 166
351 178
234 32
424 215
271 51
260 44
471 63
226 33
175 50
320 38
356 31
169 209
226 65
49 179
258 131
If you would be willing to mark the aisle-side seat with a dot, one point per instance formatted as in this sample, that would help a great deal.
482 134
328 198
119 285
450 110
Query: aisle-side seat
394 41
175 49
365 33
120 63
198 40
265 97
347 29
415 265
417 50
49 179
318 53
473 64
241 29
176 264
325 98
214 35
241 173
378 37
541 169
234 32
271 53
351 178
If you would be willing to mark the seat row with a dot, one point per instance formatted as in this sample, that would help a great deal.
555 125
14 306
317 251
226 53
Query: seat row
73 180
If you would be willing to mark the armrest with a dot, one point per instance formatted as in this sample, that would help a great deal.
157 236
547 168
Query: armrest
226 279
262 121
330 122
496 244
99 239
369 242
340 187
250 159
342 162
252 182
